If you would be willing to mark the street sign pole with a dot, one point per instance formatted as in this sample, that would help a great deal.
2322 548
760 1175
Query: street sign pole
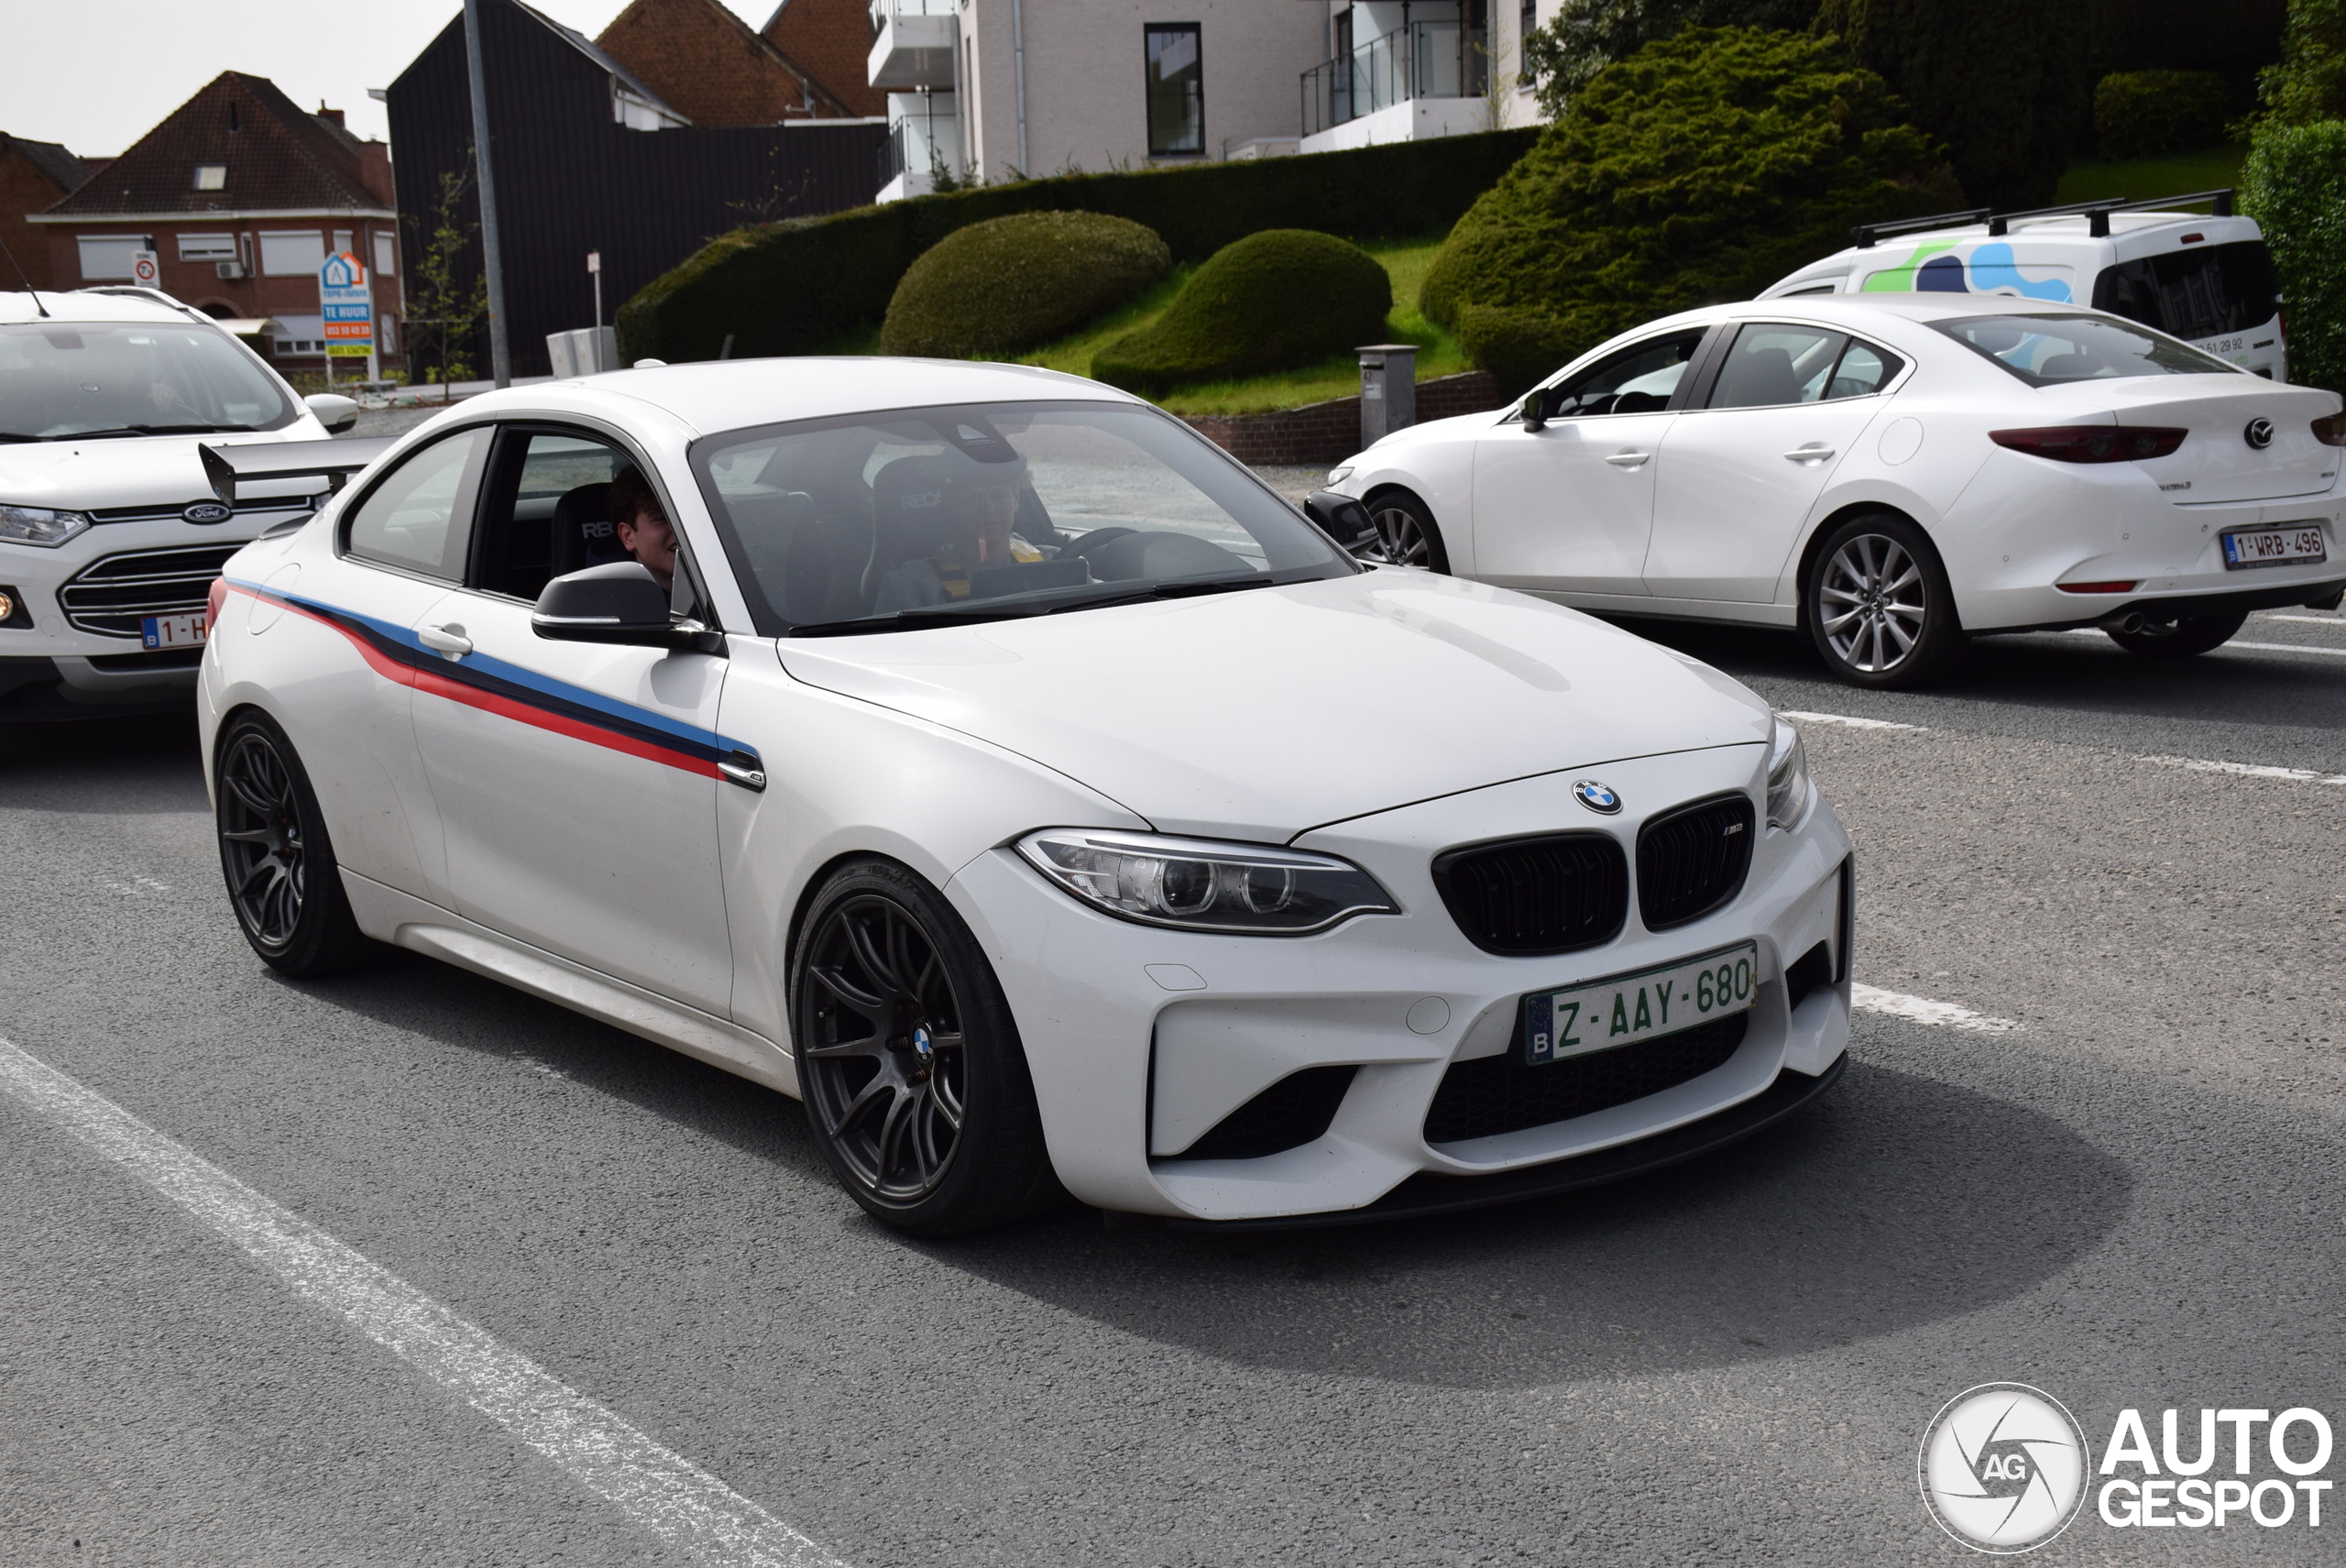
347 302
501 354
595 270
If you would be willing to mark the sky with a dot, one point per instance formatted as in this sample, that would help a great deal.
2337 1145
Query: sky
97 75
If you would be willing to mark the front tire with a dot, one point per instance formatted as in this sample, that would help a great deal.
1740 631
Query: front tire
2180 638
1878 605
283 882
909 1060
1402 533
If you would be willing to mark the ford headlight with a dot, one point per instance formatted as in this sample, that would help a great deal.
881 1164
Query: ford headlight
1788 788
38 525
1196 885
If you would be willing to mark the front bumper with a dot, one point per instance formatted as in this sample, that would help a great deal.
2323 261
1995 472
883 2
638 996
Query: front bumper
1129 1072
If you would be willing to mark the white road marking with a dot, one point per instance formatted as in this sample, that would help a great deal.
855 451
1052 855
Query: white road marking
2306 619
1846 720
1919 1010
2247 770
660 1490
2287 648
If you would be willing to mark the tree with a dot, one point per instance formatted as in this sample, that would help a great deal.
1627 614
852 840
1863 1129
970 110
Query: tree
2005 83
1586 36
2309 84
447 296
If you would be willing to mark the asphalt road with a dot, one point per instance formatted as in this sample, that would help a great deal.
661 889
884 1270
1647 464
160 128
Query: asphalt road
2130 1197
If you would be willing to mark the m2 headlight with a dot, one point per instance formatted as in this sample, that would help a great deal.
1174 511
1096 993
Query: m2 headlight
39 525
1788 788
1194 885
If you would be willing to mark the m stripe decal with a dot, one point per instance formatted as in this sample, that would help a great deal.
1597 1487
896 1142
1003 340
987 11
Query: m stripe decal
522 696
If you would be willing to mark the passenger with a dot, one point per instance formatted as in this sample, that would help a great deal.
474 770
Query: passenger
643 527
981 503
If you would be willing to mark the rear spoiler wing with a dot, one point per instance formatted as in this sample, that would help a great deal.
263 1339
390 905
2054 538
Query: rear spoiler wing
226 468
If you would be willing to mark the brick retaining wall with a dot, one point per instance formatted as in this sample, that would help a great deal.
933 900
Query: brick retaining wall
1329 432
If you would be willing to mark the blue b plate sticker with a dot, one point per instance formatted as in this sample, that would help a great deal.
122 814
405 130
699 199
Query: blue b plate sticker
1644 1005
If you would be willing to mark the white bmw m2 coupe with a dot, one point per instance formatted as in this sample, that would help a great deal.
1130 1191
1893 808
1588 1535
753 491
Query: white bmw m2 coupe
1007 773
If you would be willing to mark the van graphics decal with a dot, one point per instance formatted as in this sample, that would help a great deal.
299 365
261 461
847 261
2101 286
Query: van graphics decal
511 692
1938 269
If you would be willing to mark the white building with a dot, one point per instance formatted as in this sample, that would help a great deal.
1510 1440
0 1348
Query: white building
989 90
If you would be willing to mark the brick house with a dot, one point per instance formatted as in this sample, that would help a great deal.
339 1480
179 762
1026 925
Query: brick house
706 62
831 38
241 194
34 175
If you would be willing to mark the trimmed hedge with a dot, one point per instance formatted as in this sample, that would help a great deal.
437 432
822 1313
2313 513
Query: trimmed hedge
2142 114
1274 301
807 284
2295 187
1002 287
1701 169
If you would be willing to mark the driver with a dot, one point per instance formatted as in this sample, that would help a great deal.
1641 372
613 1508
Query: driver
643 527
980 501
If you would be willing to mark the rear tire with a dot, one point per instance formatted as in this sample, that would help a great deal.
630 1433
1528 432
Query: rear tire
2180 638
1879 607
1402 533
283 882
909 1060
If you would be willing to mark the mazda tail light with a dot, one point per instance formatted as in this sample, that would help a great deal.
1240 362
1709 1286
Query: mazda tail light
2331 430
2092 443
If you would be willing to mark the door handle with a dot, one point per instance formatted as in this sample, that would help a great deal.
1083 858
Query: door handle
449 642
1812 453
743 768
1629 459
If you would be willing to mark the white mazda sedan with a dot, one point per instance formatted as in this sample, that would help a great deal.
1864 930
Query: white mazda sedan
1886 474
980 755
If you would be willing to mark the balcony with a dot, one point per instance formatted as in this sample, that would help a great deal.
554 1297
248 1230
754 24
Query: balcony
1422 81
923 143
913 44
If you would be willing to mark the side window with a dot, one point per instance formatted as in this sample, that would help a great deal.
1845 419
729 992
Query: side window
1638 379
1863 371
413 516
1770 364
547 510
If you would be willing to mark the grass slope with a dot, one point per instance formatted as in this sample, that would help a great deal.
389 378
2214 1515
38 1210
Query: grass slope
2141 179
1405 262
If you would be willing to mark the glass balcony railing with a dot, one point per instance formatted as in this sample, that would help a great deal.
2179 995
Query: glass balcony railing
1426 60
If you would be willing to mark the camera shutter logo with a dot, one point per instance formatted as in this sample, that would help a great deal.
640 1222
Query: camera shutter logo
2003 1467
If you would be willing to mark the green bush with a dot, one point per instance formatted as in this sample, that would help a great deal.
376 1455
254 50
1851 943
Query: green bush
2309 84
2005 83
1703 168
1274 301
2295 187
807 284
1586 36
1002 287
2147 114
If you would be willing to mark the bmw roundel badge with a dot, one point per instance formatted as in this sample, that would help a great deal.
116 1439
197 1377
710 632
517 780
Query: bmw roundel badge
1597 798
202 512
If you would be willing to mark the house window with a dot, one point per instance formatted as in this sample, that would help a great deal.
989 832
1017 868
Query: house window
386 329
211 176
1177 94
387 254
105 257
1528 25
207 247
292 255
342 239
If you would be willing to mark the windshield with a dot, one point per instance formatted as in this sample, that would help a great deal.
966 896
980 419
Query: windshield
2052 351
880 521
64 380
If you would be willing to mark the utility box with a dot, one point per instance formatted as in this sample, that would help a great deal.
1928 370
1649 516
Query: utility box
1389 389
589 351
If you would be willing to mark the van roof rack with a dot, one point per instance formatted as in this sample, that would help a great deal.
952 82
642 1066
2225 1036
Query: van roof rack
2096 213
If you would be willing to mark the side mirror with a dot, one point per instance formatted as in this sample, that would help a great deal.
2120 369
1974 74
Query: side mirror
335 413
1535 410
1342 518
618 603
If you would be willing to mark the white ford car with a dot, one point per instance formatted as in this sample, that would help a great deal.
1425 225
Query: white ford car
1011 776
110 534
1887 473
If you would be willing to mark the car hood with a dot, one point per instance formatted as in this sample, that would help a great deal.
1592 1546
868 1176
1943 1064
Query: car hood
1261 714
127 471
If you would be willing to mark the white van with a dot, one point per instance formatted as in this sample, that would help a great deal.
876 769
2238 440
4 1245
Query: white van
2205 278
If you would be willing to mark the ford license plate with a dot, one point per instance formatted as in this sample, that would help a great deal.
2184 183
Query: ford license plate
2273 546
174 631
1628 1008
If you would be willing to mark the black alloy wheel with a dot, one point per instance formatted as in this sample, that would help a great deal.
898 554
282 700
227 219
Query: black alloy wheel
1401 533
280 865
1878 605
2180 637
914 1081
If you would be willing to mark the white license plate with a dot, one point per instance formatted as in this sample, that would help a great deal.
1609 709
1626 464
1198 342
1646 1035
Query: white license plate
174 631
2275 547
1633 1007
